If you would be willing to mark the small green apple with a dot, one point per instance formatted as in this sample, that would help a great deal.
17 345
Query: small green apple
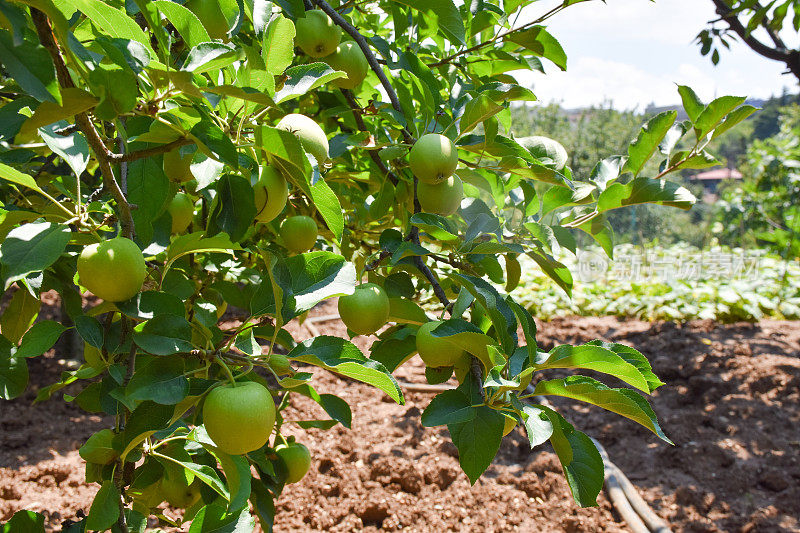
113 270
310 134
436 351
177 166
433 158
181 209
366 310
299 233
240 418
271 193
317 35
442 198
350 59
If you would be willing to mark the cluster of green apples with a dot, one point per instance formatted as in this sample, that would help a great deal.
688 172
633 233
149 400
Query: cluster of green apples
433 160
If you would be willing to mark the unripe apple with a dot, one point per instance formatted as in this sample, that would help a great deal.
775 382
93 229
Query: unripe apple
271 193
113 270
350 59
552 152
433 158
299 233
366 310
310 134
442 198
181 209
317 35
297 459
177 166
436 351
239 419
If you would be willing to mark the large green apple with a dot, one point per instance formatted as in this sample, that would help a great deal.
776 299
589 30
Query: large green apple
551 152
442 198
317 35
239 419
299 233
271 192
433 158
181 209
113 270
366 310
177 166
297 459
310 134
436 351
350 59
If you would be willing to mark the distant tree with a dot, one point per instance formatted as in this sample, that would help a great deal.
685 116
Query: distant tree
753 24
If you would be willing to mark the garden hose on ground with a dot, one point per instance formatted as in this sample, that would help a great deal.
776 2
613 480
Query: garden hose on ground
623 495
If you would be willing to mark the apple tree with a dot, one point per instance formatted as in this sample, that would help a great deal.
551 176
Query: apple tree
161 161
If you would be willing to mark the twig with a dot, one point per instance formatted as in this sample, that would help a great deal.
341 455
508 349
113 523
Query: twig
371 59
148 152
357 110
101 151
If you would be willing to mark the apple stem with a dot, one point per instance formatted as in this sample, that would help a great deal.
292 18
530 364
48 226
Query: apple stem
227 371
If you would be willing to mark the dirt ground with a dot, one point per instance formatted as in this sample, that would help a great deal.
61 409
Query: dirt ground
731 405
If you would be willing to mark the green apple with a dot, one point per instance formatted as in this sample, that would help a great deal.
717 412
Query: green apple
177 166
436 351
178 493
181 209
317 35
433 158
239 419
299 233
310 134
297 459
350 59
271 192
279 364
443 198
113 270
366 310
551 152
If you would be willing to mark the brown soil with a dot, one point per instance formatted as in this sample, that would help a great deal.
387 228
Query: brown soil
731 404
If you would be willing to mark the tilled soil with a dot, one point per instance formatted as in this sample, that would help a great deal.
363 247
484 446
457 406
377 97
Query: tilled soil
731 405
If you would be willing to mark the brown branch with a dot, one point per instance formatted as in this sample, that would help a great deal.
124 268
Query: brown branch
362 43
790 58
378 260
48 39
357 110
148 152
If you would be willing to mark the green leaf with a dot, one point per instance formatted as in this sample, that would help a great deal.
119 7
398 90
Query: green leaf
436 226
237 477
204 473
597 358
185 22
478 441
278 45
582 464
117 89
646 143
15 176
499 311
714 113
448 407
148 304
304 78
263 504
73 102
444 14
554 269
105 508
13 372
395 347
164 335
537 425
148 188
215 519
145 420
31 67
733 118
215 142
466 336
405 311
541 43
337 409
691 102
40 338
112 21
22 310
476 111
624 402
635 358
209 56
195 243
317 276
24 522
72 148
234 207
645 191
98 448
32 248
343 357
161 380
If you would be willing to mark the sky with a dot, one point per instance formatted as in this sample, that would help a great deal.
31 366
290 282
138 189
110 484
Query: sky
634 52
